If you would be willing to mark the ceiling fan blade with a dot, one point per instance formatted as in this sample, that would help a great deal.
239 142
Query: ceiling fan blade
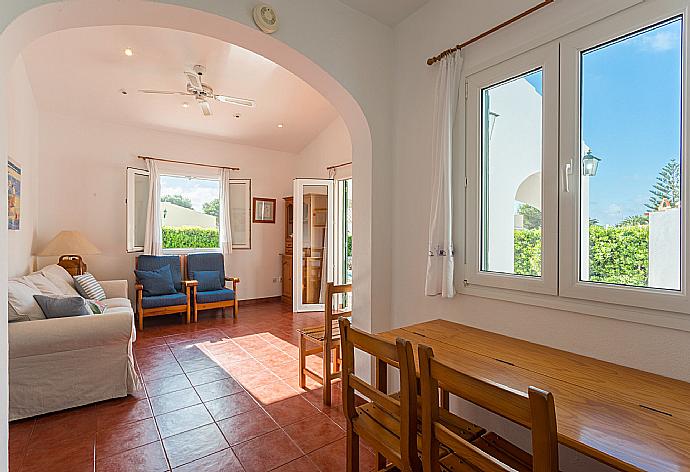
165 92
245 102
205 107
194 80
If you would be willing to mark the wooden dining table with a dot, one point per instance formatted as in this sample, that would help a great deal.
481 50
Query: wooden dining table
629 419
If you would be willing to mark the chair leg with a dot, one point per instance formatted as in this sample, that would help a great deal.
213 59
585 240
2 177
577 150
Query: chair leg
337 361
141 320
196 313
326 375
302 361
352 450
235 309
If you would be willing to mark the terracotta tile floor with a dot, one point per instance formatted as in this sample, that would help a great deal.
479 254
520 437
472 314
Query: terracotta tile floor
220 395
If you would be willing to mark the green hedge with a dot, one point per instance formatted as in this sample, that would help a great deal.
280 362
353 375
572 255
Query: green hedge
185 237
617 255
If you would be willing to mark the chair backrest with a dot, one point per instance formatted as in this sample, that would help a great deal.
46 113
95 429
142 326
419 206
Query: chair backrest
147 262
329 314
535 410
206 261
400 355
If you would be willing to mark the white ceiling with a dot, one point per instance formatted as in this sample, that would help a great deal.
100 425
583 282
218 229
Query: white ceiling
81 71
388 12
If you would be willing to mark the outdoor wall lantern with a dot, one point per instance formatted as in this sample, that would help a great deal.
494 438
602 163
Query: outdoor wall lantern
590 164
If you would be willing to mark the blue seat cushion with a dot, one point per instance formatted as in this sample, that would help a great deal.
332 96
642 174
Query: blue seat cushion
213 296
147 262
204 261
164 300
208 280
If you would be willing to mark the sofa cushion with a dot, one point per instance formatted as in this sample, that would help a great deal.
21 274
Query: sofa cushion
208 280
164 300
13 316
88 287
213 296
117 302
61 278
42 283
207 261
157 281
20 295
62 307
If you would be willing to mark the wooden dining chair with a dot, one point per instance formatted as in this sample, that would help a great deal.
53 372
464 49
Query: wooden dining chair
327 337
490 453
386 423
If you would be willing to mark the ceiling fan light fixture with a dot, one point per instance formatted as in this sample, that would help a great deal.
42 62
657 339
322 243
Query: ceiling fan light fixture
129 52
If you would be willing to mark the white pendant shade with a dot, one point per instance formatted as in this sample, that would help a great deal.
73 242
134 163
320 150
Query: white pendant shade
69 242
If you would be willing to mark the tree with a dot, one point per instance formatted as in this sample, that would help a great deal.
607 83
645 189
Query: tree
531 217
594 222
667 186
212 208
178 200
634 220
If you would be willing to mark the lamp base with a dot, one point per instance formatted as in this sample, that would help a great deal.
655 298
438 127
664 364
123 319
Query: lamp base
73 264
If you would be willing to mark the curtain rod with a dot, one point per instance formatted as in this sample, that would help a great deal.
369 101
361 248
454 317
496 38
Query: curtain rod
339 165
486 33
188 163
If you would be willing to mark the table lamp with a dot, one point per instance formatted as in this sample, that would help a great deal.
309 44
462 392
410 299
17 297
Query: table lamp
70 245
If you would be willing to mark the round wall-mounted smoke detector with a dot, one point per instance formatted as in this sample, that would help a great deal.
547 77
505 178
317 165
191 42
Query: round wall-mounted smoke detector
266 18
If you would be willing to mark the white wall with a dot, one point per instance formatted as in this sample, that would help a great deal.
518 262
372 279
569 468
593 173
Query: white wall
331 147
438 25
23 149
83 187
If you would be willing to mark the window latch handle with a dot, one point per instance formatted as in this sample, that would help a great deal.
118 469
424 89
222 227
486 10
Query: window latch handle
567 172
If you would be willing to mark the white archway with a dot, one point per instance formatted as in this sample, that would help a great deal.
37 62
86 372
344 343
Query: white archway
57 16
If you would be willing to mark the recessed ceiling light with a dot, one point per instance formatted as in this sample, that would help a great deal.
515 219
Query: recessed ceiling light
123 91
129 52
185 105
237 115
281 125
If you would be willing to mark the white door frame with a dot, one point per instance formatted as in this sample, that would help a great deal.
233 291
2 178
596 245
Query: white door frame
298 241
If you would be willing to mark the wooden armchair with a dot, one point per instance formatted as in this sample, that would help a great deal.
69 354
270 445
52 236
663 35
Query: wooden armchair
327 337
209 299
157 305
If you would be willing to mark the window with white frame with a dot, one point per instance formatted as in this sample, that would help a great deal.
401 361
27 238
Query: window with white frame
189 212
574 165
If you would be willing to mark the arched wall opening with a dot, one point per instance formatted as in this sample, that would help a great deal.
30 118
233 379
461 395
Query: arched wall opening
53 17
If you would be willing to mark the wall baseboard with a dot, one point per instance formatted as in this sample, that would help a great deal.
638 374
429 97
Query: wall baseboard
259 301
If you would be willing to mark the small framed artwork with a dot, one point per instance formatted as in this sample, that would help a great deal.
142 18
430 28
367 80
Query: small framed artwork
14 195
264 210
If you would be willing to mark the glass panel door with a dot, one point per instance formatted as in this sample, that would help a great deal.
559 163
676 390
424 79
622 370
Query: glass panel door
313 243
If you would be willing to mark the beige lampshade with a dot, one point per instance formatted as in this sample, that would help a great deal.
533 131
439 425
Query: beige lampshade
69 242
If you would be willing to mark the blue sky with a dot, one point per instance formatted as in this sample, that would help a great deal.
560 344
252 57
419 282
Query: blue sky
631 118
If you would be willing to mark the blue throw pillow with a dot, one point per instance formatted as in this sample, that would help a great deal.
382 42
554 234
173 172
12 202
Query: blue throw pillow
208 280
156 282
62 307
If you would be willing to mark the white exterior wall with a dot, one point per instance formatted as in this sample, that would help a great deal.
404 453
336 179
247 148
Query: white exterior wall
664 249
515 155
176 216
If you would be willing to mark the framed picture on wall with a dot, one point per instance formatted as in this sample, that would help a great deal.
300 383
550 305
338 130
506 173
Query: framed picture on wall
264 210
14 195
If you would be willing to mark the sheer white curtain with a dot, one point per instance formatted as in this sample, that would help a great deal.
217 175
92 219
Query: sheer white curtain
153 237
440 262
225 212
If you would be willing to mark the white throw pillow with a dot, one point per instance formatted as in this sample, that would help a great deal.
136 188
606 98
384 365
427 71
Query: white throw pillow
20 295
88 287
61 278
42 283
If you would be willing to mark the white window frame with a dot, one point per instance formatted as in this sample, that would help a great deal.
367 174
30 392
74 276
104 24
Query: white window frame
572 47
653 307
131 173
546 59
131 248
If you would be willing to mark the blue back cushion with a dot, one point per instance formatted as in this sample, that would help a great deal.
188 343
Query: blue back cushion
150 263
206 261
156 282
208 280
60 307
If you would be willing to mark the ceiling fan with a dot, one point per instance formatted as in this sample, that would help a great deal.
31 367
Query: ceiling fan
202 92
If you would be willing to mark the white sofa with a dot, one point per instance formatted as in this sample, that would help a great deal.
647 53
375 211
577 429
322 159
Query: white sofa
62 363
